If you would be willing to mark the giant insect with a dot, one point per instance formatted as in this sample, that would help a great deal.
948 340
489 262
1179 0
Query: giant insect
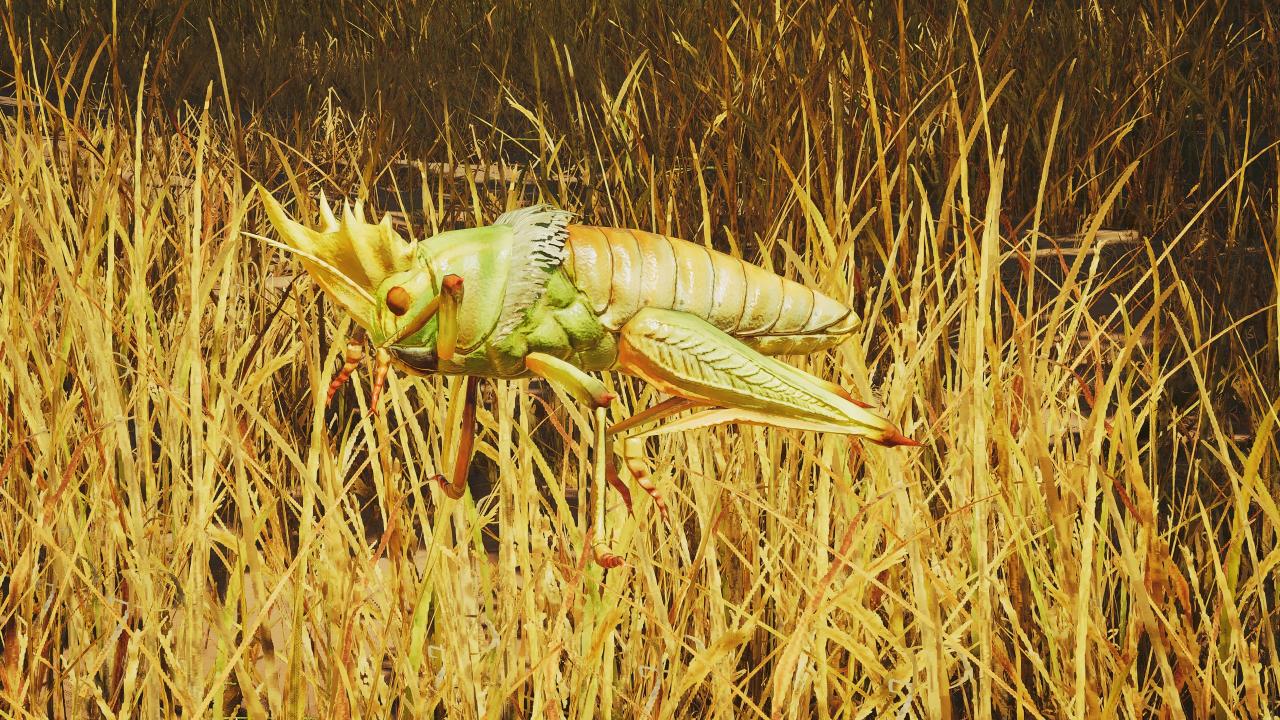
534 295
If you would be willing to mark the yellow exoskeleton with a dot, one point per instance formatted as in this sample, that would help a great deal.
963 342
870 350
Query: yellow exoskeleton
534 294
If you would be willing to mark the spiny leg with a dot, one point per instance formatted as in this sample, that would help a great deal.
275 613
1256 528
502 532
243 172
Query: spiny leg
466 444
844 394
381 366
633 452
351 360
633 456
591 392
702 366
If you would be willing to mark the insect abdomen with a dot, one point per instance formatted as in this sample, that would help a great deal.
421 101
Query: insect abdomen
622 271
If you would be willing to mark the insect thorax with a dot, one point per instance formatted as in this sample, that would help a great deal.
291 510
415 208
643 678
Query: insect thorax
560 323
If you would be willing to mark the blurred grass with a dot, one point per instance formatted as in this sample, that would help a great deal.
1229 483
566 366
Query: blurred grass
1090 532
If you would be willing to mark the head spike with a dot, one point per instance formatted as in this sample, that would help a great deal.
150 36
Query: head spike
360 211
350 259
327 216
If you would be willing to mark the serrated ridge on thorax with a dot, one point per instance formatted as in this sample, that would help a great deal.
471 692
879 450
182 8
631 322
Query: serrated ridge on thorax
538 237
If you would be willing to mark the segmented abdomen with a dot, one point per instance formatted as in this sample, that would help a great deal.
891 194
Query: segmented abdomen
622 271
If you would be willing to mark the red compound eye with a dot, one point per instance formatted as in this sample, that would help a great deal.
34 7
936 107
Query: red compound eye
398 300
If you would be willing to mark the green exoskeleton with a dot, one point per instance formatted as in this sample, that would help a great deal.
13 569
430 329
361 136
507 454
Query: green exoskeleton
533 294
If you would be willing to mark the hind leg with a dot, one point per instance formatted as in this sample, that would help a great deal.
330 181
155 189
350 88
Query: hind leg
686 356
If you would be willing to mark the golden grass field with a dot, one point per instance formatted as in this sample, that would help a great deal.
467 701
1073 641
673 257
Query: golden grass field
1060 226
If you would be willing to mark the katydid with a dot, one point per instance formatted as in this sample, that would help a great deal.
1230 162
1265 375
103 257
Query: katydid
536 295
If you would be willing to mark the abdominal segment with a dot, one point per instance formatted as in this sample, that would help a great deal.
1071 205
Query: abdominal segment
623 271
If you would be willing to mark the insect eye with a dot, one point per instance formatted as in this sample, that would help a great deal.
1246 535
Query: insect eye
398 300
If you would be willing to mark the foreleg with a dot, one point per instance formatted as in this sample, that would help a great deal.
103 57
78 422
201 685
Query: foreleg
455 487
351 360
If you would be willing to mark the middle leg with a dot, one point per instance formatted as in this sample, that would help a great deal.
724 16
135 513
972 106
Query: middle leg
591 392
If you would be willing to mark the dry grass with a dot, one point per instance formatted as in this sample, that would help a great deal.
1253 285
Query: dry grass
1090 531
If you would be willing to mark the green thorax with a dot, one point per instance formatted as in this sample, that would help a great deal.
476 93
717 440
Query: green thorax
513 303
560 323
481 257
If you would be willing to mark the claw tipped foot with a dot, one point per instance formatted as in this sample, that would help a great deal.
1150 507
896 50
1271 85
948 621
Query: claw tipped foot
451 490
894 438
605 558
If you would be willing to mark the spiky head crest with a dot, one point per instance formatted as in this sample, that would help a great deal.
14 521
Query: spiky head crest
350 258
